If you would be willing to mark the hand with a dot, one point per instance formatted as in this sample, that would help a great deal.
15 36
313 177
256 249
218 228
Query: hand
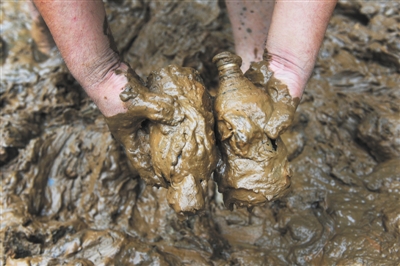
283 103
284 107
140 104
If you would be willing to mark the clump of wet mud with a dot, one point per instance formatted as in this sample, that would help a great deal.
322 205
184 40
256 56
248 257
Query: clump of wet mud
173 148
253 166
185 154
69 197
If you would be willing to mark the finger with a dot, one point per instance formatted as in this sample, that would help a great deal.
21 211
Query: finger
259 74
160 108
162 112
277 124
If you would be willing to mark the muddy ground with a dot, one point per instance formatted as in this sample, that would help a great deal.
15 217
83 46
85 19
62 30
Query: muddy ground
68 197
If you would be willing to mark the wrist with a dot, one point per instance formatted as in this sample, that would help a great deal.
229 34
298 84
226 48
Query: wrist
105 93
288 70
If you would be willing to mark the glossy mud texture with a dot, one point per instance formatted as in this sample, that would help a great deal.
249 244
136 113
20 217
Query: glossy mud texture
184 155
128 127
253 167
175 148
69 197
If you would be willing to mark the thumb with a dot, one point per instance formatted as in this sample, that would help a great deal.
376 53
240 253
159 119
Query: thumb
278 123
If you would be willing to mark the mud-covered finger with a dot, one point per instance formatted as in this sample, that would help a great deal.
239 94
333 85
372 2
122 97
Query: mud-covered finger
162 112
277 124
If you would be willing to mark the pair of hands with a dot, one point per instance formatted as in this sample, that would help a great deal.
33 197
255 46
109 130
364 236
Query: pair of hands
139 104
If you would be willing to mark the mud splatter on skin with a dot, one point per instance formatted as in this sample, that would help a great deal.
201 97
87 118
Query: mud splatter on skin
70 197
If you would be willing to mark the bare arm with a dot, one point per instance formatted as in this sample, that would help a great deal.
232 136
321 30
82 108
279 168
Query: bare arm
295 36
82 35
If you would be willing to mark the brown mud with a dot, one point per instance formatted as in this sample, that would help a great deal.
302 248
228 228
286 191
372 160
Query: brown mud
68 195
253 166
168 134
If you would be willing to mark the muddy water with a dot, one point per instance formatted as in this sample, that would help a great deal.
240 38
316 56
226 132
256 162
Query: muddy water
69 197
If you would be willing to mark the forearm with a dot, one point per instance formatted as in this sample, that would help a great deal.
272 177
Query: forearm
295 36
82 35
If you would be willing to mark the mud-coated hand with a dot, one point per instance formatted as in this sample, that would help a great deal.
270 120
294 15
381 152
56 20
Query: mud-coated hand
283 105
279 121
141 104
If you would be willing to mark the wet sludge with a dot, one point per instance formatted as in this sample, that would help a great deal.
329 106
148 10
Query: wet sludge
69 197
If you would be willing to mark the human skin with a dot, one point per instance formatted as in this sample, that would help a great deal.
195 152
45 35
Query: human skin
250 22
291 31
82 35
295 32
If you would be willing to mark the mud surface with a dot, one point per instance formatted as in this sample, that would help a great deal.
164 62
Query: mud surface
69 197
